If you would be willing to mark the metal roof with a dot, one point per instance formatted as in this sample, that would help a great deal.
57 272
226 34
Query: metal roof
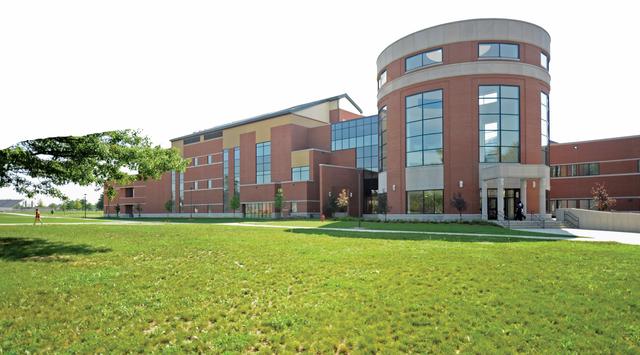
267 116
9 203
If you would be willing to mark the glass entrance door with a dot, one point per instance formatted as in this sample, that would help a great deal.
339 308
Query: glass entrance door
511 198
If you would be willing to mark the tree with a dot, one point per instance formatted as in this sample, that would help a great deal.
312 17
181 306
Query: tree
234 203
139 209
53 206
458 202
111 195
100 203
168 206
601 198
343 201
278 200
38 166
383 206
118 211
77 204
40 203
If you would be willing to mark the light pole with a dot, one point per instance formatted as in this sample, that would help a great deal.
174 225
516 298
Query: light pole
85 206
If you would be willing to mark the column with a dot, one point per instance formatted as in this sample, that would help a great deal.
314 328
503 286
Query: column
500 199
523 195
485 200
542 197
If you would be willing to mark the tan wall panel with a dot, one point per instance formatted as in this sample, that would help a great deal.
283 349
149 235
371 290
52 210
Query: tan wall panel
300 158
231 136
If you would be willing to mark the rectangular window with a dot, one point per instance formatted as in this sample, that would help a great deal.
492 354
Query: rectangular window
423 59
263 163
181 184
128 192
498 50
361 134
300 173
225 181
382 79
424 117
499 108
236 170
210 184
210 159
544 60
382 115
173 187
544 126
195 185
425 202
195 161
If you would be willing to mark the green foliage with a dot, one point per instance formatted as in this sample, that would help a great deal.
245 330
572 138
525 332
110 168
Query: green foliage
235 202
383 204
278 200
206 288
100 203
168 206
38 166
342 202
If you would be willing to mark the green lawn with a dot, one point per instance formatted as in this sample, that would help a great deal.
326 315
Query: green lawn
46 219
213 288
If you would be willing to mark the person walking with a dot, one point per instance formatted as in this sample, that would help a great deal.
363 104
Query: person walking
519 210
38 219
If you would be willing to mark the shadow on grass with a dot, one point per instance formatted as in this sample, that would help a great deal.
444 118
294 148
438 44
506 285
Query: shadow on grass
415 236
34 249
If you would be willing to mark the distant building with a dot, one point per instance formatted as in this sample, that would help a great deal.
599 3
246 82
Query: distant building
7 205
463 108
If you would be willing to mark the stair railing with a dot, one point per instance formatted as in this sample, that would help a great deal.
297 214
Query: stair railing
572 219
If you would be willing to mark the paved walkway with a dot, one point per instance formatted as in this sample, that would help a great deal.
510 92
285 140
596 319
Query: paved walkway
589 235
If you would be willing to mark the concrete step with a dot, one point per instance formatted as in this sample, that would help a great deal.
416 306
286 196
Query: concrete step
531 224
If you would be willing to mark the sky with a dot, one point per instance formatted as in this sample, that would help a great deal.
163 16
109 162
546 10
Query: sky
174 67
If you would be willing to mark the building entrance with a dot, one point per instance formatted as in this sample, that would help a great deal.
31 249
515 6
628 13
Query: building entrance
511 198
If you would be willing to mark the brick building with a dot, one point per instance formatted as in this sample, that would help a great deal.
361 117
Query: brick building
463 108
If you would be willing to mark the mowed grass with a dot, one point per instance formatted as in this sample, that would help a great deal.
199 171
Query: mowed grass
213 288
46 219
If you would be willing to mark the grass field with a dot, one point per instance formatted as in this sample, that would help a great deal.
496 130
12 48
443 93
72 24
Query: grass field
46 219
213 288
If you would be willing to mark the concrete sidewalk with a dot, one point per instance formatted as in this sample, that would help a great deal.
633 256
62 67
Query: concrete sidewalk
590 235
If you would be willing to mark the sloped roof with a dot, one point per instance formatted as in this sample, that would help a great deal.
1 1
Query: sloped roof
9 203
267 116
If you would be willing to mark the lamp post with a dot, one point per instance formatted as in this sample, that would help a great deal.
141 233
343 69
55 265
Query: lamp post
85 206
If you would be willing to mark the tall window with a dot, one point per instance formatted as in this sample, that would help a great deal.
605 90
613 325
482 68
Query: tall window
181 184
544 126
498 50
499 108
236 170
429 201
173 187
362 134
382 116
300 173
544 60
225 180
424 128
382 79
423 59
263 163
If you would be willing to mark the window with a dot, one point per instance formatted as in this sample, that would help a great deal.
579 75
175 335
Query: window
210 184
544 60
195 185
382 115
498 50
423 113
210 159
382 79
181 184
425 202
225 181
499 110
544 127
195 161
585 169
173 186
128 192
300 173
423 59
259 209
263 163
191 140
236 170
362 134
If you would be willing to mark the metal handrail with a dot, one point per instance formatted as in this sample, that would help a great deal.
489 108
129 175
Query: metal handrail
504 218
572 219
539 218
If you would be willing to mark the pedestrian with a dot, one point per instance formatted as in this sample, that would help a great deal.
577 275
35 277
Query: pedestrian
38 219
519 210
